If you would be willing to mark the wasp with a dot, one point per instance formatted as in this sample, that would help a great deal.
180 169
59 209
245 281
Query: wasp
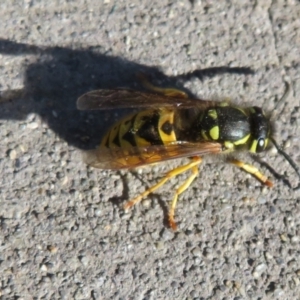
171 125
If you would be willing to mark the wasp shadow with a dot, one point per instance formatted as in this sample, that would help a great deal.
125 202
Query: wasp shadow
60 75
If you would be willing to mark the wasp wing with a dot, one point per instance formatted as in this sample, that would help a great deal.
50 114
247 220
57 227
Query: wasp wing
118 158
125 98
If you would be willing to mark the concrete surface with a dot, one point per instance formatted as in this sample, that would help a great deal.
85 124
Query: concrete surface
64 234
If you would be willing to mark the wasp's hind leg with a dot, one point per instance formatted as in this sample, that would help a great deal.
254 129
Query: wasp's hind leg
253 171
179 191
170 92
177 171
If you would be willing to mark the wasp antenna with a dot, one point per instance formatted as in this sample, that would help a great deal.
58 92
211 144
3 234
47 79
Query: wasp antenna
282 100
289 159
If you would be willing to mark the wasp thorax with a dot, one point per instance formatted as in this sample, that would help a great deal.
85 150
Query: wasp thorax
234 127
227 125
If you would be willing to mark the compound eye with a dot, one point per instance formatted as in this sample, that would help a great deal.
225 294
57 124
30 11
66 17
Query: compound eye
260 145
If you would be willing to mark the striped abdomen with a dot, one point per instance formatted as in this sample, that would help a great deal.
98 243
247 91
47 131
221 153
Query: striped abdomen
141 131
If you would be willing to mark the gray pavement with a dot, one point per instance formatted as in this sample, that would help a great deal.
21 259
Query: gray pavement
63 232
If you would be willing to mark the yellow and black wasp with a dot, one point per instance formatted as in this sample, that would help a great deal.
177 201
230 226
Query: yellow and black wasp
171 125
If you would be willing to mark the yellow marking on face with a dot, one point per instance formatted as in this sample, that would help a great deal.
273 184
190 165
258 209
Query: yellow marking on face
213 114
214 133
253 146
242 140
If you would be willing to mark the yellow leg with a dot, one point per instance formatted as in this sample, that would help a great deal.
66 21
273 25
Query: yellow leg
170 92
253 171
191 165
179 191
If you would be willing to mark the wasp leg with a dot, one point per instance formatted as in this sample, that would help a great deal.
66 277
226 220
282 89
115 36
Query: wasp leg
170 92
253 171
179 191
177 171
